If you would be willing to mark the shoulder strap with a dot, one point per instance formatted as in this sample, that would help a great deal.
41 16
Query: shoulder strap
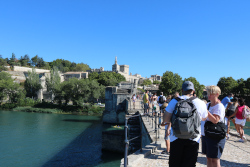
208 106
192 98
177 98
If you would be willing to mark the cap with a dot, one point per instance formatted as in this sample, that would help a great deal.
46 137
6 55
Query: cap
187 85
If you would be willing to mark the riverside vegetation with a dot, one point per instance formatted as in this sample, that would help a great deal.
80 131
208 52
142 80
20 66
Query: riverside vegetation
83 93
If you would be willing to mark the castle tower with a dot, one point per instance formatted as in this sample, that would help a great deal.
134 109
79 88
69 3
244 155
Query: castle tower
115 67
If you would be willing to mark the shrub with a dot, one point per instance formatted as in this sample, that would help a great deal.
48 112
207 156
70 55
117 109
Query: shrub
38 110
28 102
8 106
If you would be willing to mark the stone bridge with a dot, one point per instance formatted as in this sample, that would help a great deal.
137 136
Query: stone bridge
146 151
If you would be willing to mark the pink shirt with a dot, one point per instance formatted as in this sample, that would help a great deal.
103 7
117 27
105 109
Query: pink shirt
239 113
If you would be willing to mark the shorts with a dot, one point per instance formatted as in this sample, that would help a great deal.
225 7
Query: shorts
212 148
240 121
146 106
229 113
166 137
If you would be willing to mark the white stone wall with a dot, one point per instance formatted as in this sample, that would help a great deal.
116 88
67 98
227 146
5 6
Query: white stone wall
26 69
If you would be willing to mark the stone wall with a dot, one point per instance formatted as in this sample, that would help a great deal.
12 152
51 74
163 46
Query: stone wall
26 69
146 139
113 140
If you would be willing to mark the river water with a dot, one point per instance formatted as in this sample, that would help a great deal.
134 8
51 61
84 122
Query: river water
52 140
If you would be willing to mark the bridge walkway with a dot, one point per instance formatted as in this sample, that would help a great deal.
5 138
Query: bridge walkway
235 154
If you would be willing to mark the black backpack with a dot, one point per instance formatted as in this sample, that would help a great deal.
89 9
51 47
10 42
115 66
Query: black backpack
185 119
161 101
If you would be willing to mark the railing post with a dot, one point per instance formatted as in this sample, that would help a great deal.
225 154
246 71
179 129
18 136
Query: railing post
126 143
152 121
155 129
141 131
159 115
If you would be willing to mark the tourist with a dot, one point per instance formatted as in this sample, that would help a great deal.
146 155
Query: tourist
167 132
176 94
202 130
146 102
230 110
184 152
194 94
227 99
161 100
169 98
154 105
213 148
154 97
133 99
240 121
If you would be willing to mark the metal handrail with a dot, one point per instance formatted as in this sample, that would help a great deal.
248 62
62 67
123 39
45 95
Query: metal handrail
142 134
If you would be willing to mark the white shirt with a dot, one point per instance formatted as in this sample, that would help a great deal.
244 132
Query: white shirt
219 110
164 99
201 109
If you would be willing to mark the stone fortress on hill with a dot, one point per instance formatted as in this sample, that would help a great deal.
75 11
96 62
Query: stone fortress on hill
124 70
19 74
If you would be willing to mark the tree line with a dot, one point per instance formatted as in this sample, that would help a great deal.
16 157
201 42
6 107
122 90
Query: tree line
172 82
75 90
38 62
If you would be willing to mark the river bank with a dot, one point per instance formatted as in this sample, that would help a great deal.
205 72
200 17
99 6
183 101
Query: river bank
89 110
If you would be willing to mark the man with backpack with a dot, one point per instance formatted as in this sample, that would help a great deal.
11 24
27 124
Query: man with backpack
161 100
185 114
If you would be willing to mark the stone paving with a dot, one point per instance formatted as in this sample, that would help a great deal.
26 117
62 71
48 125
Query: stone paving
235 154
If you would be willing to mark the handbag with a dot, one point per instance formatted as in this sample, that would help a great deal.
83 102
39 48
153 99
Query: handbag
246 113
215 131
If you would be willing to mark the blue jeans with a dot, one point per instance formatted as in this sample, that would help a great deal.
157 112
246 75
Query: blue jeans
145 107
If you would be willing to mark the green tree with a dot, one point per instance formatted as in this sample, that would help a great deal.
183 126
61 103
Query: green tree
247 86
227 85
146 82
53 81
156 82
93 75
240 89
3 63
25 61
40 62
80 91
5 82
198 88
82 67
107 78
170 83
13 60
34 60
32 83
9 88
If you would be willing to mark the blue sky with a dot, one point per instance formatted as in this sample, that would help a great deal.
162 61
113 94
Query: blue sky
205 39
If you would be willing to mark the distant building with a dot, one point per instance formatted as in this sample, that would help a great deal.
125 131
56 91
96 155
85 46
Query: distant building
101 69
20 73
124 70
156 77
79 75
